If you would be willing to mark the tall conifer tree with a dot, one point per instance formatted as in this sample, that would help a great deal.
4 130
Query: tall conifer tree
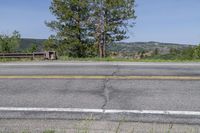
71 25
113 18
81 23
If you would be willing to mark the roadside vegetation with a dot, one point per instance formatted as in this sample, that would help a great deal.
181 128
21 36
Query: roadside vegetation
121 127
9 43
86 28
127 52
93 31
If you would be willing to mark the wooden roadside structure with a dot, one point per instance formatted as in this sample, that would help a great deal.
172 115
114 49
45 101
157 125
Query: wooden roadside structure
48 55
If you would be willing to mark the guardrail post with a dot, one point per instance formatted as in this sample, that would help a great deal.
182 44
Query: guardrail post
33 56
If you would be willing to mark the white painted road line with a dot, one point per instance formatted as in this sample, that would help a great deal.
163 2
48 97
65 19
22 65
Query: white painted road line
75 110
101 111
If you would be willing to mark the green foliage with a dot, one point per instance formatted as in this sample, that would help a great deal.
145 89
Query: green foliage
76 49
26 43
135 47
33 48
110 20
9 44
71 26
156 51
174 51
83 26
50 44
118 16
196 53
163 57
187 53
49 131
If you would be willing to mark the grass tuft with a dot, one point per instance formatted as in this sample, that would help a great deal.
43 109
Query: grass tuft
49 131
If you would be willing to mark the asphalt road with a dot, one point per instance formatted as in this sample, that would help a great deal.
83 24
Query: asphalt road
100 68
182 95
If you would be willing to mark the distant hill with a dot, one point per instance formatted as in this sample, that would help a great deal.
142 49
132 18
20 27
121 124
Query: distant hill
122 47
133 47
28 42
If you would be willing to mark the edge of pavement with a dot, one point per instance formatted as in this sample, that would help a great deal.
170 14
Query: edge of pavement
155 116
88 63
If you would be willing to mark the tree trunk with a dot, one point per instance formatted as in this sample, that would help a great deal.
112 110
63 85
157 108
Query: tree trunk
102 28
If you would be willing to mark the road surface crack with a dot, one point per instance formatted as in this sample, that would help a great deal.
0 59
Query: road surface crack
106 86
105 93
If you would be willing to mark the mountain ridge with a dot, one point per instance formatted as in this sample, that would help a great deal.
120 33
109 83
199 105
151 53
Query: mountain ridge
121 47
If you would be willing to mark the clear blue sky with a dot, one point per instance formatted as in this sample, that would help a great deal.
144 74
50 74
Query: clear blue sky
157 20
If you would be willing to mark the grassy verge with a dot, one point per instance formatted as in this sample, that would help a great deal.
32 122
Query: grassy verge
91 125
96 59
18 59
119 128
109 59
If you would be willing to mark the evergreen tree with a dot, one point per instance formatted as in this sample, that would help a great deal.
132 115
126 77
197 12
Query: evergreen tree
81 24
111 20
71 25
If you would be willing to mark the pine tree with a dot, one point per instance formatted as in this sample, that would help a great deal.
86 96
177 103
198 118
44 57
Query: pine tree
112 19
71 25
81 24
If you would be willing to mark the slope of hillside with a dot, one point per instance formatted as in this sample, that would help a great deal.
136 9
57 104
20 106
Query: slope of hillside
131 47
28 42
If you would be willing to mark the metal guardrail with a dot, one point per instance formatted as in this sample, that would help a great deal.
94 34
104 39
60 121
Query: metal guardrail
16 55
51 55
